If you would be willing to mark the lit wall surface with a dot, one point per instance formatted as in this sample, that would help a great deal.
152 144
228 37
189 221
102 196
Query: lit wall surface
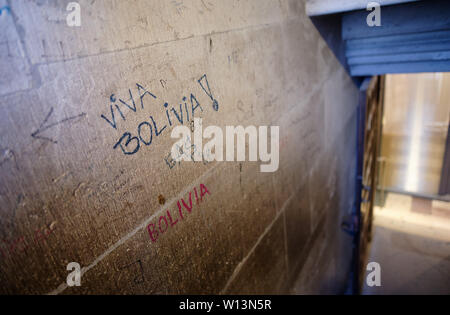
415 124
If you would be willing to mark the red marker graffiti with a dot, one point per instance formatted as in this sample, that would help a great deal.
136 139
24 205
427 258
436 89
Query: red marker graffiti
169 219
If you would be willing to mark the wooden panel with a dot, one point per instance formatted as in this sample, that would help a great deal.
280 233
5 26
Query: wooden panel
372 132
444 186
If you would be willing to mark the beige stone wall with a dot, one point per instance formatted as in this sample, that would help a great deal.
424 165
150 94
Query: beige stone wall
67 195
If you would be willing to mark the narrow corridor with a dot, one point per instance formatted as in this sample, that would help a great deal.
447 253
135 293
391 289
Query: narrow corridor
411 242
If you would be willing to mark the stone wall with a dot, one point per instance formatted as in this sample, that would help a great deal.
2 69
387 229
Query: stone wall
72 191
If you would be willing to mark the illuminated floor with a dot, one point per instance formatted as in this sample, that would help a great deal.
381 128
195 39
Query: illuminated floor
411 242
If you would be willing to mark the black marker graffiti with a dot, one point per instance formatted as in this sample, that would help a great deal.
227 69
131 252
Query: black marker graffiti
140 277
149 129
208 92
42 128
8 155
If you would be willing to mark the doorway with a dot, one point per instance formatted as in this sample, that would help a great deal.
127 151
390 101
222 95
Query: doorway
411 216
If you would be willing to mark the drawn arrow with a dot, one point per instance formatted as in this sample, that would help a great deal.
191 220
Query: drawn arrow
42 128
